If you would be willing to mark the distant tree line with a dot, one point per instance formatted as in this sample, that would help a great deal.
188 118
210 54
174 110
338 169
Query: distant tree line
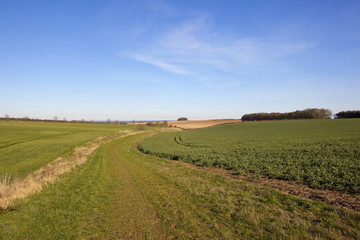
310 113
348 114
28 119
56 119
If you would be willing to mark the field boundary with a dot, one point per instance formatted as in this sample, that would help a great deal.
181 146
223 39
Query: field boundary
330 197
19 189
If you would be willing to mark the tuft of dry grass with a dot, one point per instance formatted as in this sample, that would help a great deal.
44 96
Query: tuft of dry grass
11 189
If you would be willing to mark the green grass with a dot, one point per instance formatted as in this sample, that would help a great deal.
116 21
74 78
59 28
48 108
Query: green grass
320 153
120 193
27 146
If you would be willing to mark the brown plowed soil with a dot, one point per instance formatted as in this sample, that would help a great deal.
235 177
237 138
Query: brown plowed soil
194 124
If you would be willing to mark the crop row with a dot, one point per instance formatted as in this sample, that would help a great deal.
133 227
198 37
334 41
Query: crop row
320 153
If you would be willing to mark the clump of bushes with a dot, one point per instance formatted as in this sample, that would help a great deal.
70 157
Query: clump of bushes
182 119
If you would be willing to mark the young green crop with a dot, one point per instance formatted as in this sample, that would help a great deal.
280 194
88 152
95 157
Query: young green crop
27 146
320 153
120 193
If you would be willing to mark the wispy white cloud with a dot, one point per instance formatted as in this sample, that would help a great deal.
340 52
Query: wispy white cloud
191 46
159 63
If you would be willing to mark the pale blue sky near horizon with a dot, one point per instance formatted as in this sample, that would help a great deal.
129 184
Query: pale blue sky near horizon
154 60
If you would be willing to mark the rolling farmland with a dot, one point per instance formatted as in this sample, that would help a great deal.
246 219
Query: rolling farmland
320 153
121 193
171 119
27 146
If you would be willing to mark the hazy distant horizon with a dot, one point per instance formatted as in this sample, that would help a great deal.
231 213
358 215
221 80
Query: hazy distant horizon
168 59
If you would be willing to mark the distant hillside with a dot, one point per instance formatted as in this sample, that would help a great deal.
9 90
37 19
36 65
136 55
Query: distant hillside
194 124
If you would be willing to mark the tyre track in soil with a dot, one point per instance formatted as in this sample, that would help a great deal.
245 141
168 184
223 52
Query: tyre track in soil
146 204
132 215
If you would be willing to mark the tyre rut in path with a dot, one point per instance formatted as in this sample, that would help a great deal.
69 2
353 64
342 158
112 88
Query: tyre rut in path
133 216
147 203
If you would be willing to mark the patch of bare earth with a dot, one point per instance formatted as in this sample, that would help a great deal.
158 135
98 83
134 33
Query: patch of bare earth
21 188
331 197
195 124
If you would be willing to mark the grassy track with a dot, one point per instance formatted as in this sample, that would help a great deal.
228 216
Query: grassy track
320 153
121 193
27 146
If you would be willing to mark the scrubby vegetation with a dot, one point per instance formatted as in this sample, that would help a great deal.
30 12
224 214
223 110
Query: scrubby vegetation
320 153
158 123
311 113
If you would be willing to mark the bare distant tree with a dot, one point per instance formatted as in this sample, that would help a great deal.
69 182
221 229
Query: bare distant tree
108 121
7 117
64 119
116 122
83 120
26 118
55 118
133 121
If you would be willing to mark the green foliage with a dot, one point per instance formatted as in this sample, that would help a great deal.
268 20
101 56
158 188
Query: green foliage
320 153
27 146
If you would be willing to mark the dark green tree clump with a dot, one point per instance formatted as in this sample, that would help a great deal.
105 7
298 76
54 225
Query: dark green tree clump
182 119
310 113
348 114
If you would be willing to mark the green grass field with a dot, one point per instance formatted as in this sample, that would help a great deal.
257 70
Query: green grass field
120 193
27 146
320 153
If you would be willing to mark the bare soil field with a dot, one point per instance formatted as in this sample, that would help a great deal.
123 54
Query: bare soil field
195 124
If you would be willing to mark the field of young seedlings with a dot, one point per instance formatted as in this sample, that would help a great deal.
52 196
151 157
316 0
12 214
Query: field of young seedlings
320 153
28 146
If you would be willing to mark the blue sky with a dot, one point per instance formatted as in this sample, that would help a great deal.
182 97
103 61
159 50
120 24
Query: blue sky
160 59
